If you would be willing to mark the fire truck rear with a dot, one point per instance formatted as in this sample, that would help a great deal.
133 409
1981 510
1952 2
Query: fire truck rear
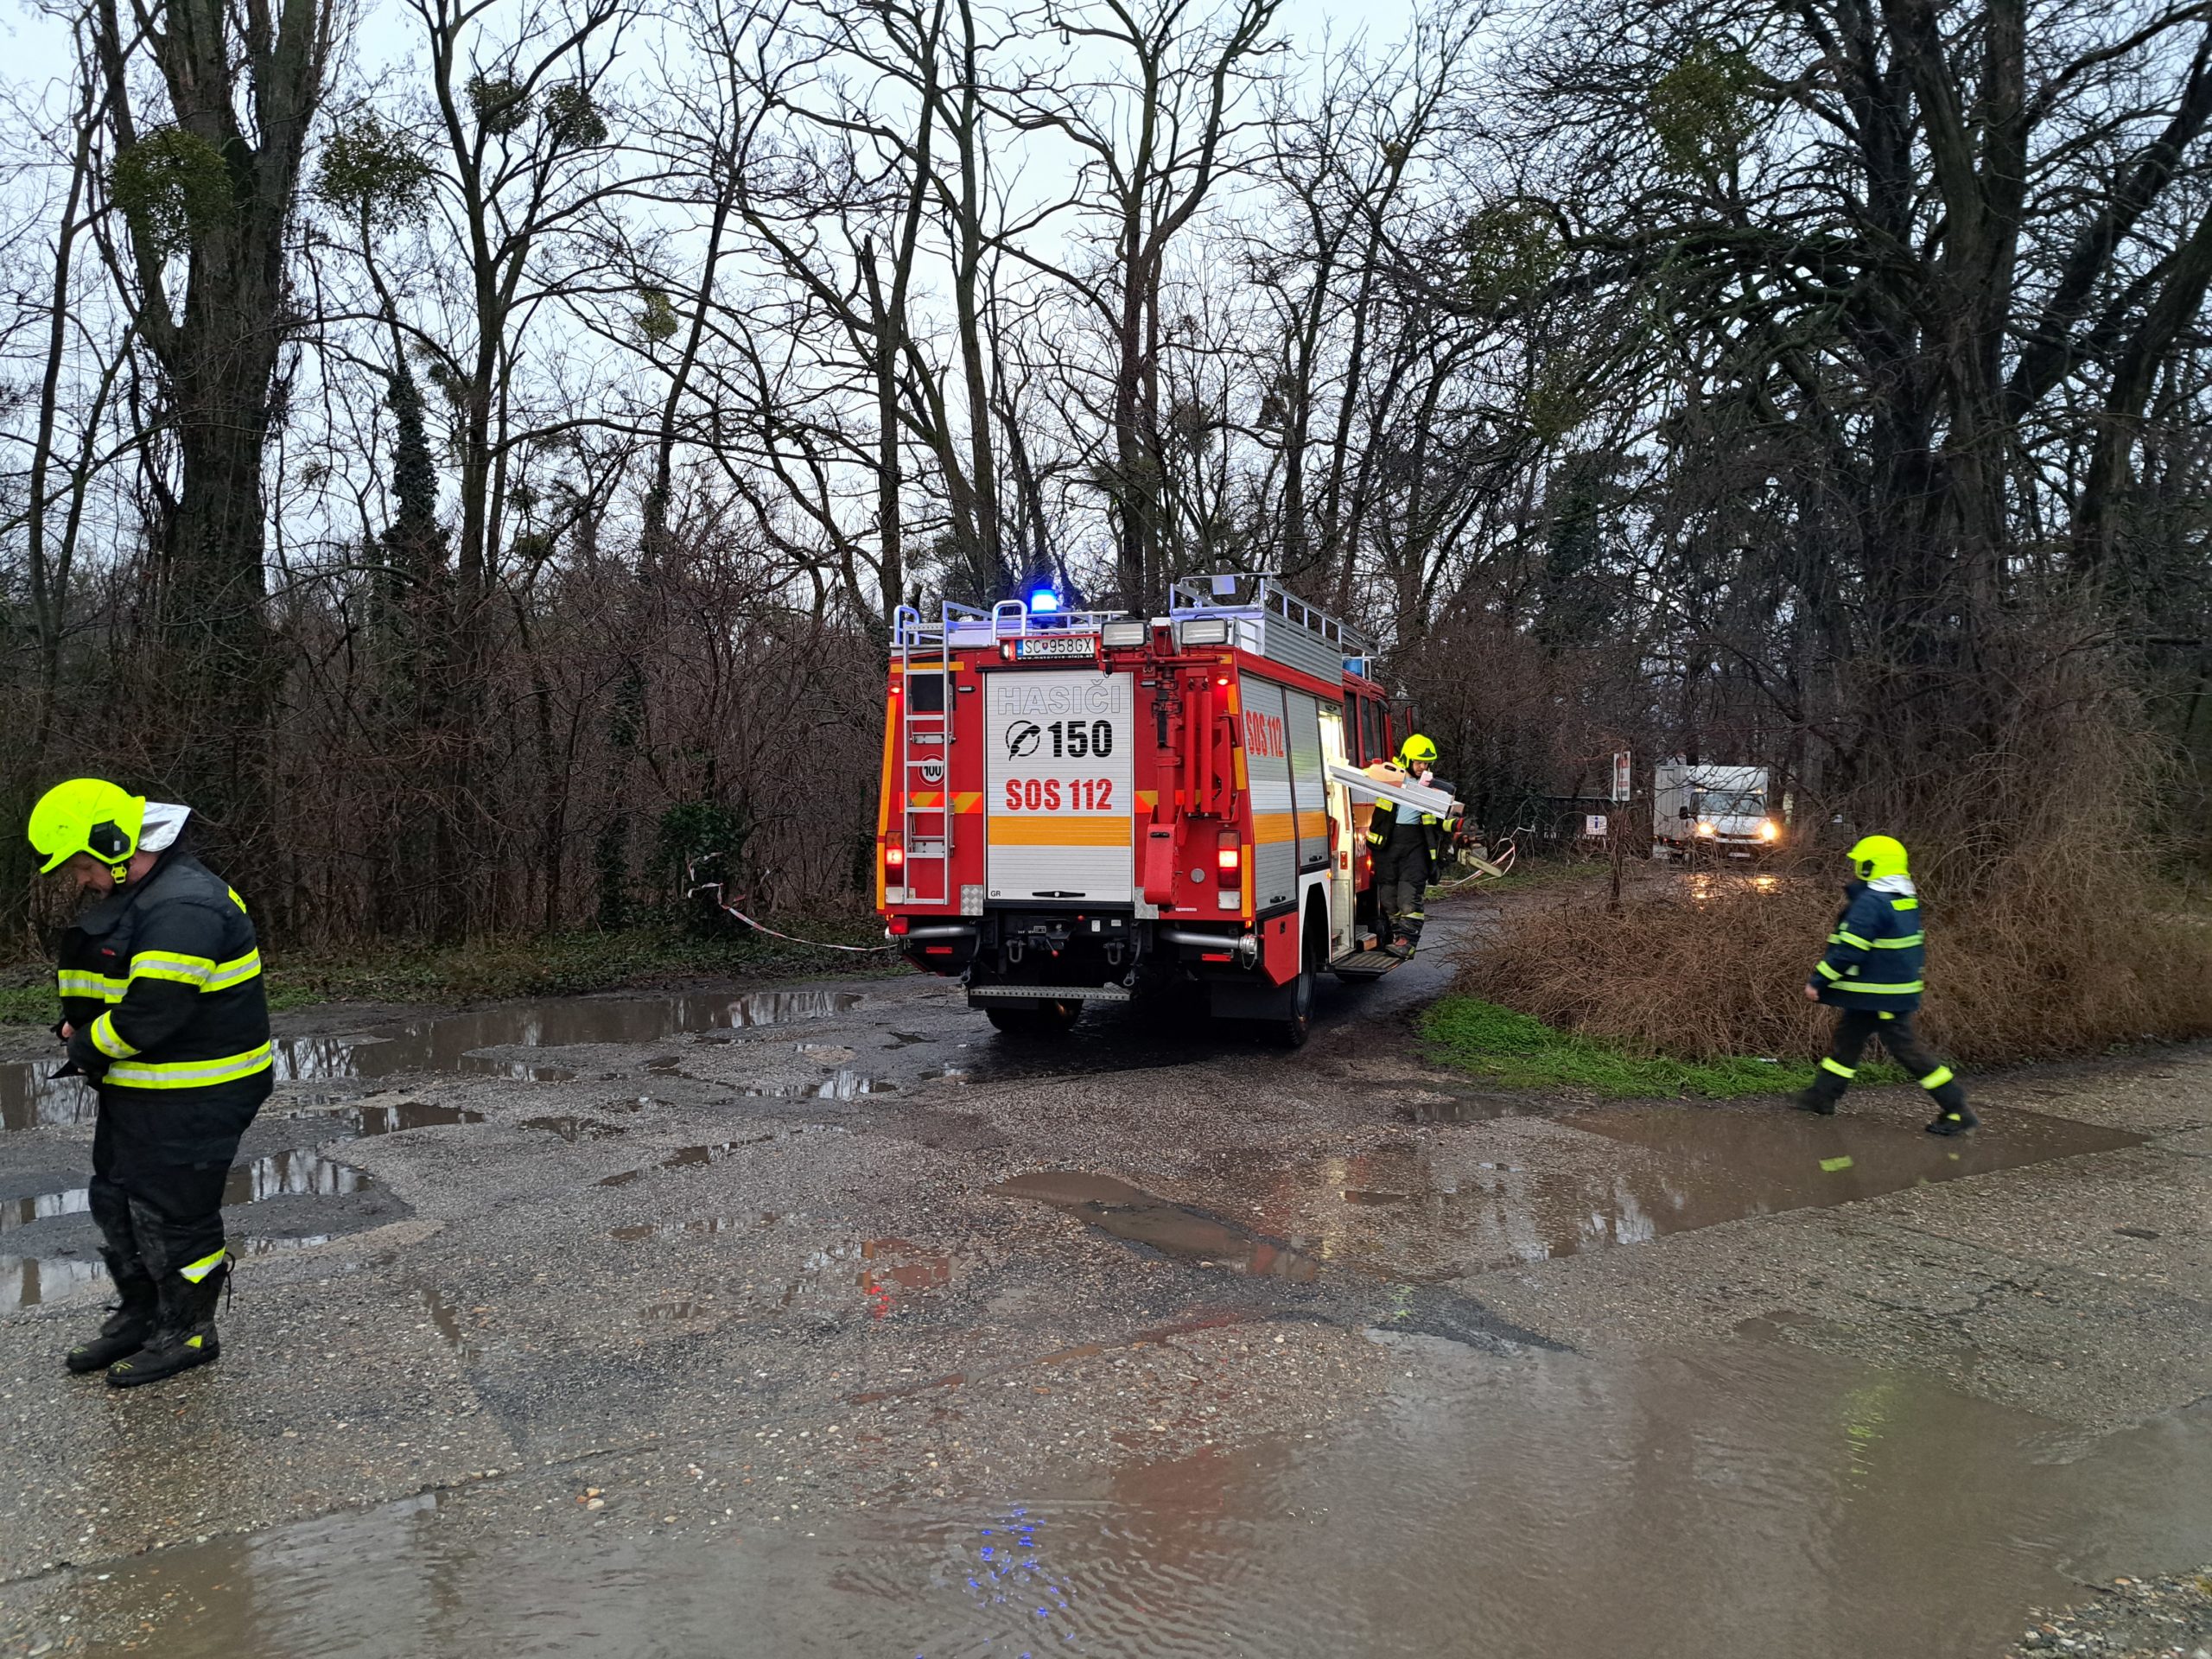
1082 807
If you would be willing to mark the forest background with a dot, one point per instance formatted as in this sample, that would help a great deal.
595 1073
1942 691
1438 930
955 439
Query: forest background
471 450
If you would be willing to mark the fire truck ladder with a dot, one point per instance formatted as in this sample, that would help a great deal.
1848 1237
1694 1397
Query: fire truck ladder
925 743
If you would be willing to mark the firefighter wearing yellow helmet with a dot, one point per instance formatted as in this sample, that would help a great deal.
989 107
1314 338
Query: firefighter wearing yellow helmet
1872 972
164 1013
1404 845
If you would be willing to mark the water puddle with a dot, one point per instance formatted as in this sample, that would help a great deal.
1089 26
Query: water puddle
30 1098
1743 1499
1128 1212
573 1129
446 1321
291 1175
1437 1209
26 1280
841 1085
695 1224
396 1117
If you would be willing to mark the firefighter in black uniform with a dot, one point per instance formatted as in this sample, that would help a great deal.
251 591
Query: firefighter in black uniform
1405 845
163 1012
1872 970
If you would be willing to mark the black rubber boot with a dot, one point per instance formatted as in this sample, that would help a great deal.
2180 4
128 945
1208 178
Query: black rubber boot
1952 1114
1817 1099
184 1336
124 1331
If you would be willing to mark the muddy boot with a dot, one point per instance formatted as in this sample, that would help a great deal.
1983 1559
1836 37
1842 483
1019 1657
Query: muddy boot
184 1333
1816 1099
125 1329
1952 1114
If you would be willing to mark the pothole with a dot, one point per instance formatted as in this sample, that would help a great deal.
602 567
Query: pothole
1129 1212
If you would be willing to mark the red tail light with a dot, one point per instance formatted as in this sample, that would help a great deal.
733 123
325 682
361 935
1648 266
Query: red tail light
894 856
899 925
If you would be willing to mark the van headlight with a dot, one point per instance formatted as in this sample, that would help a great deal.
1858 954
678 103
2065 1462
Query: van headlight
1705 827
1769 830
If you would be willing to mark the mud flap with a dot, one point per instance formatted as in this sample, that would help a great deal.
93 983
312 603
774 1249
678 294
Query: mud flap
1249 997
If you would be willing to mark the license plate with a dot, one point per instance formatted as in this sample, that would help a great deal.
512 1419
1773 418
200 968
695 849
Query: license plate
1030 651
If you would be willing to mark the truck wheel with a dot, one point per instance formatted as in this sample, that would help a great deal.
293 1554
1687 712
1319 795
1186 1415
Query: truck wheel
1035 1019
1294 1024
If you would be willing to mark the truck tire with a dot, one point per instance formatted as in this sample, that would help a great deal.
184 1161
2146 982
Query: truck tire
1290 1028
1034 1019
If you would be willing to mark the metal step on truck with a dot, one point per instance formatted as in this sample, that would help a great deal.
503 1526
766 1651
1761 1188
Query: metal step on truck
1088 806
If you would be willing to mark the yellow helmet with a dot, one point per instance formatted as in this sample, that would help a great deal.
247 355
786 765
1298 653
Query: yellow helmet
87 815
1875 856
1417 750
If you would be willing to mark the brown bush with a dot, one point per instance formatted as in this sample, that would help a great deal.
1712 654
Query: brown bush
2056 938
2036 970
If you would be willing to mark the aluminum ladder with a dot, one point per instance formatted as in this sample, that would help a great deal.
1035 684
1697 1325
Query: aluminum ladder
923 651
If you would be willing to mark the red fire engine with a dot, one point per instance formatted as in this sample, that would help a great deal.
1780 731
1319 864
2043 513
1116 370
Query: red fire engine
1082 807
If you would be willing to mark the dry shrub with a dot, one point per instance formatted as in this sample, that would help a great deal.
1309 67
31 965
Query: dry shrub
2051 933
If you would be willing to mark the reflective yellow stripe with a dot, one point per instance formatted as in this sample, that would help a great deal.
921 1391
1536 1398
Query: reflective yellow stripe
191 1074
235 899
171 965
102 1032
228 974
205 1265
1842 938
77 982
1904 943
1832 973
1885 990
1905 904
1838 1067
1936 1078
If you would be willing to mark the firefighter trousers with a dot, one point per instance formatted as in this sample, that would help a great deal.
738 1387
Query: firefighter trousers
1854 1028
1401 872
156 1219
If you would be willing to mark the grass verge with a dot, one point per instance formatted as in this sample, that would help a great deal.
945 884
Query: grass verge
559 964
1521 1052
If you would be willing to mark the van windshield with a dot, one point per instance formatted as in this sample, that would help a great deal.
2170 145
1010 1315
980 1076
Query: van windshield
1724 803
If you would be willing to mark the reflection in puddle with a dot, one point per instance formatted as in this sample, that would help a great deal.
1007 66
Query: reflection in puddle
1128 1212
574 1128
395 1117
696 1157
21 1212
842 1085
1743 1499
631 1235
1432 1209
894 1267
288 1174
26 1280
29 1098
447 1324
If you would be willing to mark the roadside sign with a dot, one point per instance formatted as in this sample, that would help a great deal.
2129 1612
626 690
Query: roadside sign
1593 824
1622 776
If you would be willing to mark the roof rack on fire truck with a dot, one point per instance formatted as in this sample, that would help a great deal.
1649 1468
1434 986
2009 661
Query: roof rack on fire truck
1261 615
1010 619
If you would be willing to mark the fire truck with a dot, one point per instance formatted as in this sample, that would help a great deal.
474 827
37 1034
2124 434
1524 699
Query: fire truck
1084 807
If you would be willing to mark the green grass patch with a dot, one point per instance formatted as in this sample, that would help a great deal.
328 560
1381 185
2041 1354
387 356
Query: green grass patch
1521 1052
559 964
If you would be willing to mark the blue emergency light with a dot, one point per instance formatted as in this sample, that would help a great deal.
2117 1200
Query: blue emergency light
1044 602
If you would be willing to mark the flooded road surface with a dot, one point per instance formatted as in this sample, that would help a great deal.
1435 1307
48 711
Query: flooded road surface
1745 1500
31 1096
1421 1210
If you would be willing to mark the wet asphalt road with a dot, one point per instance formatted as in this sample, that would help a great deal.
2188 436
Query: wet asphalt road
830 1322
